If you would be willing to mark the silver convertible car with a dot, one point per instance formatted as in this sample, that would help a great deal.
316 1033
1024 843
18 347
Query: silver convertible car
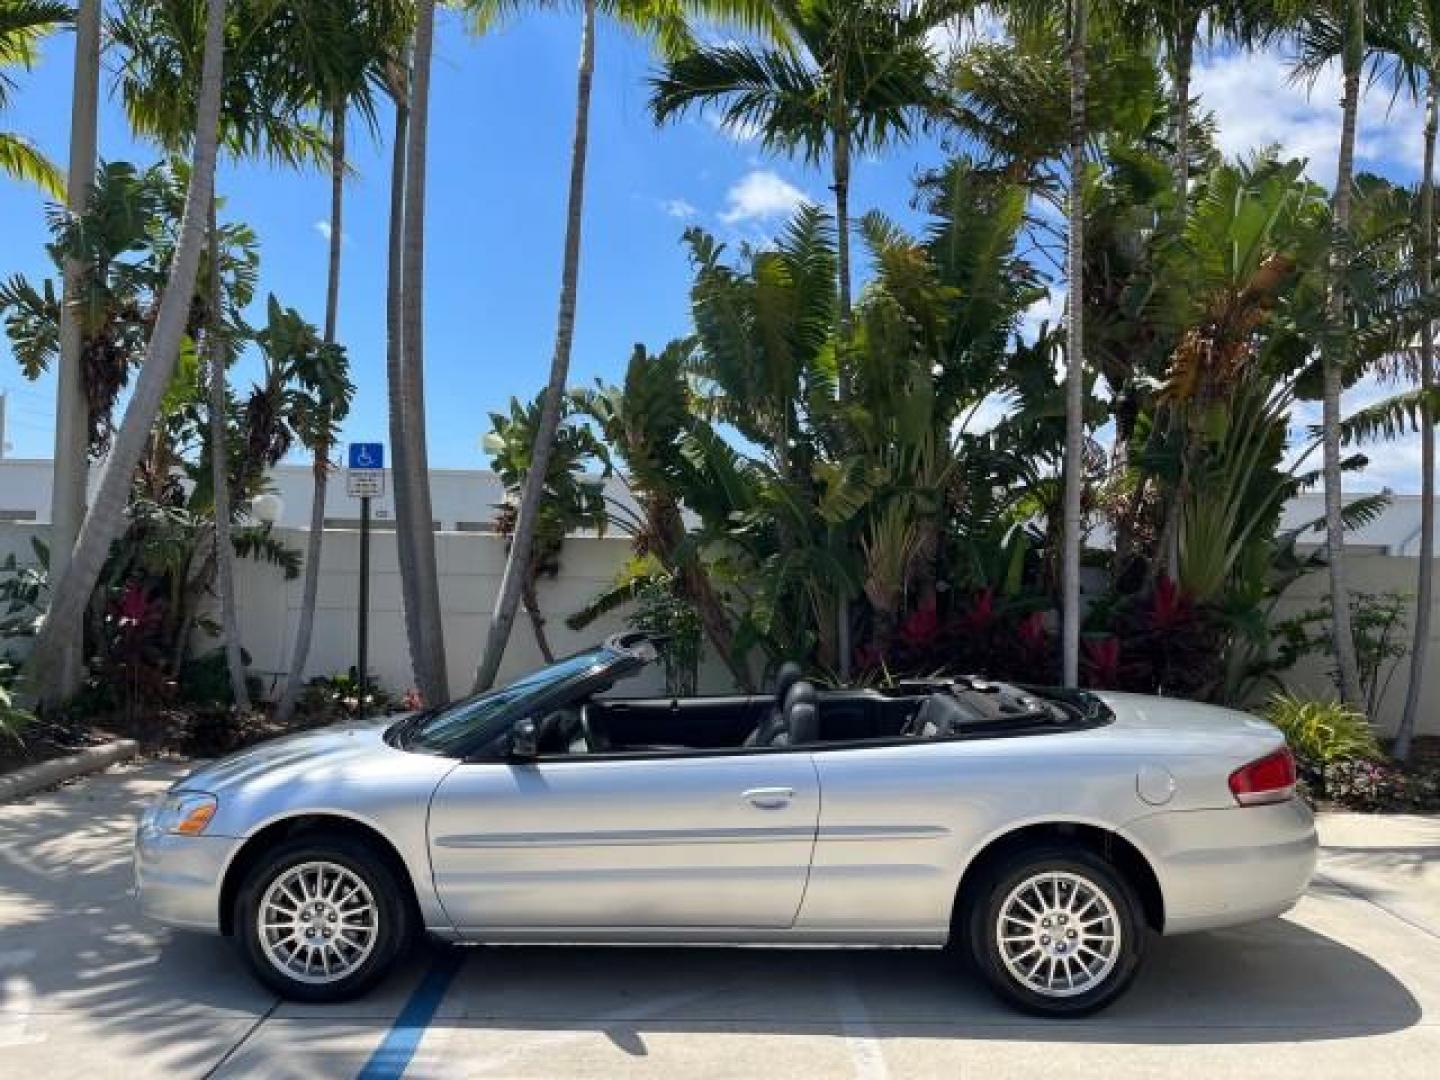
1046 834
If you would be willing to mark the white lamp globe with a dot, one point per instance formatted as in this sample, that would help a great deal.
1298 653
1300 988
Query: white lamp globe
267 507
492 443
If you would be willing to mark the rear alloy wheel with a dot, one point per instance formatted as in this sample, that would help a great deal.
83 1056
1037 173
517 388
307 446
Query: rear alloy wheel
1057 931
321 919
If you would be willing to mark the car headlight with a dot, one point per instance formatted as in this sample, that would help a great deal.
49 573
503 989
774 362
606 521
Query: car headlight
185 813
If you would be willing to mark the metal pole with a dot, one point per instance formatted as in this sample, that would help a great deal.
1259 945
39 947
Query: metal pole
362 645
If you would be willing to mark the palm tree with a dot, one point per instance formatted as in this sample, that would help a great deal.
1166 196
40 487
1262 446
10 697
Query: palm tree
261 114
413 510
1417 50
858 77
1180 26
1074 354
667 21
398 87
22 24
852 77
107 516
67 493
343 54
1341 22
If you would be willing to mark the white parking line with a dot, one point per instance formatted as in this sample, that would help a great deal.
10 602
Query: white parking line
533 1043
865 1049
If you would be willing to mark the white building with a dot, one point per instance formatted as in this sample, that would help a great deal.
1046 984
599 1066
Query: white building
464 500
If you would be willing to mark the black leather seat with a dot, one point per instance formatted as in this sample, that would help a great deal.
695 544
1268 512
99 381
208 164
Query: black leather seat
777 726
802 725
789 674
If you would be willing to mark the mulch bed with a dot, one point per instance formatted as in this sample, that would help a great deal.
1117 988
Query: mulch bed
44 740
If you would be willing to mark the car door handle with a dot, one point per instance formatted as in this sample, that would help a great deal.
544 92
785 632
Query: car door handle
769 798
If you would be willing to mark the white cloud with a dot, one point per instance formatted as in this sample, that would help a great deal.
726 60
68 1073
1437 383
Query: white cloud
1048 309
748 131
760 195
1256 104
991 410
678 208
959 33
323 228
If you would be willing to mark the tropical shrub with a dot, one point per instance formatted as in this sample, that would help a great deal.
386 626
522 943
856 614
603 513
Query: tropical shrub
1322 732
13 719
1381 786
328 698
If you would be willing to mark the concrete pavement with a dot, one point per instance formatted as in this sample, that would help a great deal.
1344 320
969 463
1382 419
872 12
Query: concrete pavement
1348 983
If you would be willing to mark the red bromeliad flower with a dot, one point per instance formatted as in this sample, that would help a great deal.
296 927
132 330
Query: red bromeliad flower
1169 606
981 615
1102 660
134 610
920 627
1031 631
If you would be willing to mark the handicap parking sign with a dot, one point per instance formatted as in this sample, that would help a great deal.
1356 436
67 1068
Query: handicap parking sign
367 455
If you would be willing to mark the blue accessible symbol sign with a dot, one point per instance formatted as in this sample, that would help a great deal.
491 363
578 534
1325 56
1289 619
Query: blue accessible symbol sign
367 455
365 478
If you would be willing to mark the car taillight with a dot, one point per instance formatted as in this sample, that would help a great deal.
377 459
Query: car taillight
1271 779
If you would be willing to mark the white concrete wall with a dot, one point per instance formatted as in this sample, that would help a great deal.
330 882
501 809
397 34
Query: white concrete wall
1371 573
470 566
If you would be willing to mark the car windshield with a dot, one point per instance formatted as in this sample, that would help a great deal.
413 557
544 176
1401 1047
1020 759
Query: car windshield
479 718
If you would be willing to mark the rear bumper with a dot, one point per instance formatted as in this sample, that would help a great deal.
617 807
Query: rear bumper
1225 867
178 878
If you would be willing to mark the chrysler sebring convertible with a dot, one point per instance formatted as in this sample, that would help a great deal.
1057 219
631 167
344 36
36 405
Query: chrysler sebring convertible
1046 835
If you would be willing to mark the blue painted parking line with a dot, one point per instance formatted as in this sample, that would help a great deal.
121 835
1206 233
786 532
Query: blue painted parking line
392 1057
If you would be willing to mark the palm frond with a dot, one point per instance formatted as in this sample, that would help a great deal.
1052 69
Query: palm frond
20 159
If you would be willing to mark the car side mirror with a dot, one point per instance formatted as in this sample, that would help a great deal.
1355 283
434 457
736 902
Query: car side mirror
525 739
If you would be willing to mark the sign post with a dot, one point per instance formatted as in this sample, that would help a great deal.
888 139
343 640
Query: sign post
364 480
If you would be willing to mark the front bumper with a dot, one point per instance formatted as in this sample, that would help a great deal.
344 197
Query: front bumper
178 878
1226 867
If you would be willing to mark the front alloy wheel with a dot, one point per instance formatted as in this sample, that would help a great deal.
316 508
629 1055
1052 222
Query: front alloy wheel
318 922
1057 932
321 919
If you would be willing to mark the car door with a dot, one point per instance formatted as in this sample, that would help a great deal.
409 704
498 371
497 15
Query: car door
667 841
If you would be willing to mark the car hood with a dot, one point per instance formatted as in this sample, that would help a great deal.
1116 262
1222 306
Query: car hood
347 770
289 754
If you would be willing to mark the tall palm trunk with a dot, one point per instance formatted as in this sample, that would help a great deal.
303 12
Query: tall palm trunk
67 496
1075 356
418 520
1182 62
107 517
531 599
1425 586
841 174
395 373
218 350
310 590
1334 356
513 580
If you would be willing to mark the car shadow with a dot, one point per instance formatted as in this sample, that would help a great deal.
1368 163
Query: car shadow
1272 982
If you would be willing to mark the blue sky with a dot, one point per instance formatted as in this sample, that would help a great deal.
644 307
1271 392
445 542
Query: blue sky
499 143
499 148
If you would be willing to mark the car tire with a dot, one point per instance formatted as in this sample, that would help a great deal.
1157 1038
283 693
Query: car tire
1072 927
322 918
